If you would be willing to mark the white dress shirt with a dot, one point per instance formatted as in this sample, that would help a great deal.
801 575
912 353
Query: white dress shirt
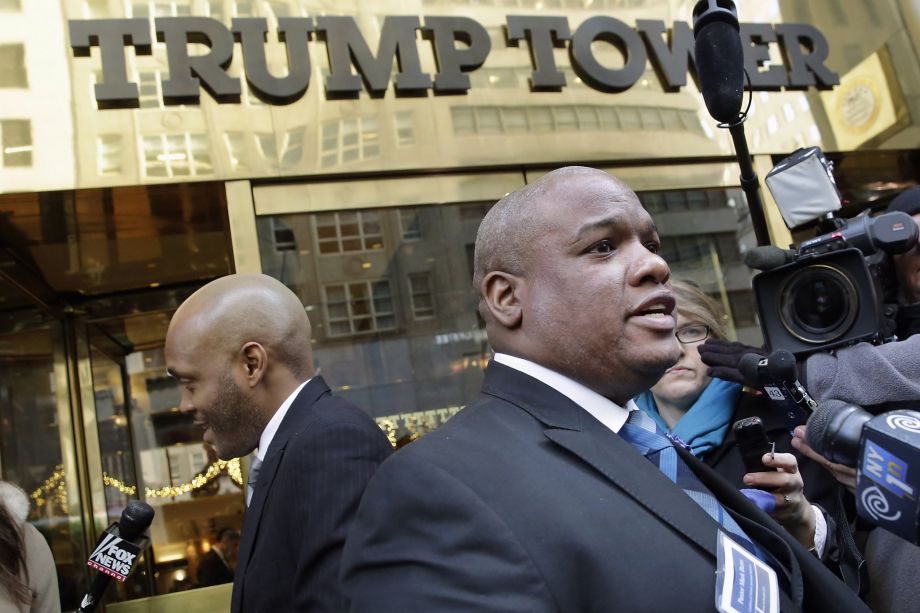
275 422
611 414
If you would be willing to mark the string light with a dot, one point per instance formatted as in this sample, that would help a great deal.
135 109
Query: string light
53 489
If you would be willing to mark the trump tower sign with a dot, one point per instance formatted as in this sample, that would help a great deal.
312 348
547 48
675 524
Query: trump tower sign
459 45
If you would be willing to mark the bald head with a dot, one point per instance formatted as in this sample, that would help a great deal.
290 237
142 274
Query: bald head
231 311
513 227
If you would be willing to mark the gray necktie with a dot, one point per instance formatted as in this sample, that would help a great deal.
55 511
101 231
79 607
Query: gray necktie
255 465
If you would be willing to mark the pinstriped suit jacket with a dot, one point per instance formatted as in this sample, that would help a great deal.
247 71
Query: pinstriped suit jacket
311 481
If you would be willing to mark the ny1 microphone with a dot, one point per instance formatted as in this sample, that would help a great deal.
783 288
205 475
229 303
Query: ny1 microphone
776 376
885 450
116 552
719 58
768 257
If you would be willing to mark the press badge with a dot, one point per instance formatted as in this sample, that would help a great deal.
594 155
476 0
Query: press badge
744 584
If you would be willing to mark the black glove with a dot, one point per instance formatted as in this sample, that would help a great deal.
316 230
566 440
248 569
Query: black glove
723 357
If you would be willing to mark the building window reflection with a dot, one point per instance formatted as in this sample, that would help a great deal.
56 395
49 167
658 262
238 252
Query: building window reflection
405 128
149 85
108 154
161 8
13 66
16 142
176 155
349 140
410 224
421 296
563 118
347 231
357 308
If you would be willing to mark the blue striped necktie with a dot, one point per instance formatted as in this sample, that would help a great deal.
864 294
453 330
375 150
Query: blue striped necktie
642 433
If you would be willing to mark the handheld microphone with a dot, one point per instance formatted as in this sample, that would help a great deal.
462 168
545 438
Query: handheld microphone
116 552
719 58
777 377
768 257
885 450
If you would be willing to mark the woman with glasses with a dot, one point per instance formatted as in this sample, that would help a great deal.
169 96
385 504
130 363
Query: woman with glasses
700 410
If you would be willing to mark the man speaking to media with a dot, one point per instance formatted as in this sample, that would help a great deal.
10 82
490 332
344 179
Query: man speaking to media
240 347
548 494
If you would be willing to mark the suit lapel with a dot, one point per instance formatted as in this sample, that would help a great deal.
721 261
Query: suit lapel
572 428
296 418
758 525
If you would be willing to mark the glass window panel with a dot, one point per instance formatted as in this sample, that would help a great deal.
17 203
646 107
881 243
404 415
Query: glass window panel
13 66
587 118
352 244
540 118
16 142
514 119
371 151
565 117
650 119
463 120
108 154
488 120
629 117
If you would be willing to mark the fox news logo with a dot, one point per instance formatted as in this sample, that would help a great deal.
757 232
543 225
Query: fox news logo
114 556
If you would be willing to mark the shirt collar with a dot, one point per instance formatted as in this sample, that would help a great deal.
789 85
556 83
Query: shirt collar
275 422
602 409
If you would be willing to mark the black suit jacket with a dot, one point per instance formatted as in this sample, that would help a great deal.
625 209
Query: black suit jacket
525 502
308 489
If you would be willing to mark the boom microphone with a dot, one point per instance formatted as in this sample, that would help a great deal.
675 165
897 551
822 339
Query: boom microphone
719 58
885 450
117 550
768 257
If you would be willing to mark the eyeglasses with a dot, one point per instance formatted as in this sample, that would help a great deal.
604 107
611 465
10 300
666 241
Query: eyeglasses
694 333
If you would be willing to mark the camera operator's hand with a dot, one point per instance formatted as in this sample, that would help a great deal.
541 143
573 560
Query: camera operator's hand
723 357
844 474
792 510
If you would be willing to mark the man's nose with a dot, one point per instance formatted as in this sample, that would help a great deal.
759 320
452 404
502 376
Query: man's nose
185 403
650 267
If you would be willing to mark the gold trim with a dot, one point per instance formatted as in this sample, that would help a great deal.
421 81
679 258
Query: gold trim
91 447
245 239
377 193
776 227
201 600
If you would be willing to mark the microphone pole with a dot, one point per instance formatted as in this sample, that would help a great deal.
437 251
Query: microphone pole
749 182
719 61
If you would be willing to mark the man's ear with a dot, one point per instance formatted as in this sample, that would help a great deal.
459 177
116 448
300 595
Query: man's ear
254 360
501 292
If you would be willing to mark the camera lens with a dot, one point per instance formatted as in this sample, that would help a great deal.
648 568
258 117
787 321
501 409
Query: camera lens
818 304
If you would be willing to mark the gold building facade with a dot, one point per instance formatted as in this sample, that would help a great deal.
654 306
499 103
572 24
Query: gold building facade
367 207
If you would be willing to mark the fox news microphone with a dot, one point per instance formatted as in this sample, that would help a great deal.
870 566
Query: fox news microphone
885 450
776 376
116 552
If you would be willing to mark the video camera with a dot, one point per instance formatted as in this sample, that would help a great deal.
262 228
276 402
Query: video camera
829 291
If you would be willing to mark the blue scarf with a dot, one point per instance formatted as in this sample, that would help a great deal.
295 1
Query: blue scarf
705 424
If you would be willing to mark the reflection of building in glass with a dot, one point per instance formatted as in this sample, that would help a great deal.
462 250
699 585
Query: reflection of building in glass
381 286
35 121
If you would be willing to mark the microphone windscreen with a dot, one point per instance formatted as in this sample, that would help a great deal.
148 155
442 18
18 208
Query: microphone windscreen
819 435
719 61
136 518
747 366
767 257
781 365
